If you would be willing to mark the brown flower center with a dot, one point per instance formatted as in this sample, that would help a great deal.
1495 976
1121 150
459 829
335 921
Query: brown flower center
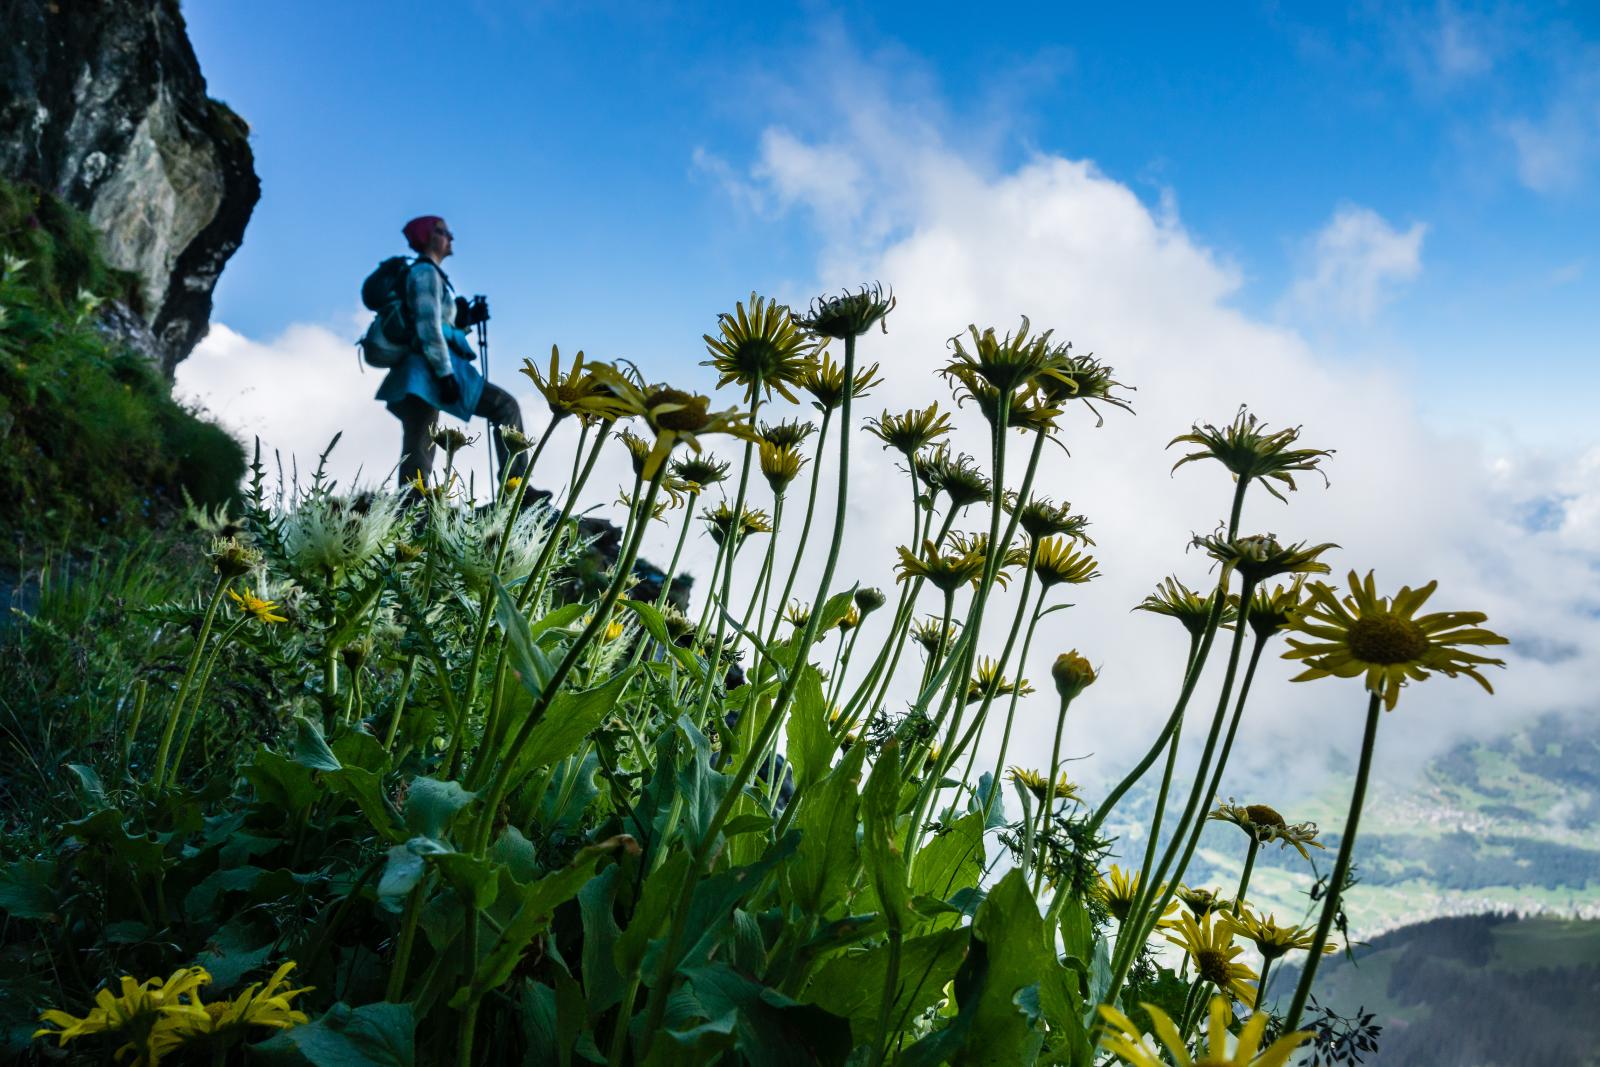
1262 815
1386 638
1213 966
690 417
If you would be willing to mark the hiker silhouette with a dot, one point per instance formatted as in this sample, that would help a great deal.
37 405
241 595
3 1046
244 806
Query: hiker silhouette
434 372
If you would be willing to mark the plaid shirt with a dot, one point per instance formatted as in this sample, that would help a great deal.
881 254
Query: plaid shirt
428 291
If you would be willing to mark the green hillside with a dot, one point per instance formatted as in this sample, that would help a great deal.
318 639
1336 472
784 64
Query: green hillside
1480 991
1511 825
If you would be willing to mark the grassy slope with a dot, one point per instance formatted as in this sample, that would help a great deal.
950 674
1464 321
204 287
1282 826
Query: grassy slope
1511 825
1474 992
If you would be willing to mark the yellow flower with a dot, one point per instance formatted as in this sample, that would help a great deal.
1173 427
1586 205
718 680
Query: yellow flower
1027 410
1382 639
1176 600
674 415
927 633
450 439
1202 901
1040 517
1072 674
255 607
512 483
1058 562
1265 824
1084 378
946 570
1272 940
1246 448
1259 557
824 380
761 350
1118 888
780 464
232 558
958 477
1039 785
849 314
790 433
1212 949
259 1005
989 676
1007 363
1271 609
1123 1039
797 614
911 431
155 1015
699 472
578 392
751 521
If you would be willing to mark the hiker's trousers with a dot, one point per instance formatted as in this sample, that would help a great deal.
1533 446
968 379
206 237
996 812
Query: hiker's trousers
417 420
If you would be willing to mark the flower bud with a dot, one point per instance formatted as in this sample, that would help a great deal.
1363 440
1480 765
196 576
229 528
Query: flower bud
1072 674
869 600
232 559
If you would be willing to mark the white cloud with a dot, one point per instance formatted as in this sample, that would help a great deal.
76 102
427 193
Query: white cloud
1058 240
1355 265
1075 250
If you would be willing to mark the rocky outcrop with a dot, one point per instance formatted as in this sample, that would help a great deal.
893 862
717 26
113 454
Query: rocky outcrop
102 102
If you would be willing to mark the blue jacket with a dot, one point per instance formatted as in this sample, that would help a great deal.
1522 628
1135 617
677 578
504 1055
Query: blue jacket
439 349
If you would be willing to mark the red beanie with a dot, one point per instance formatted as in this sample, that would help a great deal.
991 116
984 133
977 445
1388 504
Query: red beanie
419 230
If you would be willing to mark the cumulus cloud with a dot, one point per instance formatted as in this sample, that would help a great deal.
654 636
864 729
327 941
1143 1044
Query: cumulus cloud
1355 265
1076 250
965 241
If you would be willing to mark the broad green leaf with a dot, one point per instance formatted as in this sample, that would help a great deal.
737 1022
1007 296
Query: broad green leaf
474 879
1010 931
374 1035
770 1029
650 912
950 861
200 903
366 789
886 865
310 748
401 872
701 786
827 860
89 784
534 911
27 888
281 783
811 747
835 608
234 950
570 718
432 804
852 985
531 666
656 627
602 983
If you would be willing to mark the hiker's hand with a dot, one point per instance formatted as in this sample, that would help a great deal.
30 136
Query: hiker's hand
463 313
449 389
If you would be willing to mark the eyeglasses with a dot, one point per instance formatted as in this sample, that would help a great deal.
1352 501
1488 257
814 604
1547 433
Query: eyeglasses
446 234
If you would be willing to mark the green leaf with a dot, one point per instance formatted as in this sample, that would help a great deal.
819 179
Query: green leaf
602 983
701 786
357 748
401 873
534 912
886 864
432 804
1008 934
656 627
200 903
650 911
374 1035
89 784
310 748
835 608
532 667
280 782
473 879
570 718
234 950
27 888
950 861
811 747
852 985
827 860
771 1029
366 789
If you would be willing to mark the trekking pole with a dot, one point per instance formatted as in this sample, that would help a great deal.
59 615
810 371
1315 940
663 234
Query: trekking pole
482 327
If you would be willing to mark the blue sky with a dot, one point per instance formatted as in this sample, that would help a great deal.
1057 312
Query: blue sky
569 148
1377 222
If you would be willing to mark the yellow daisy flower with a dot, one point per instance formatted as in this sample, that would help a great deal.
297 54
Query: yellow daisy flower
1039 785
824 380
762 349
1118 888
911 431
1212 949
1384 640
1246 448
989 675
1272 940
1123 1039
256 608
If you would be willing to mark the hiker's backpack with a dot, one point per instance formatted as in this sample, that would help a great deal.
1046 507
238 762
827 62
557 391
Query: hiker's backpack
389 337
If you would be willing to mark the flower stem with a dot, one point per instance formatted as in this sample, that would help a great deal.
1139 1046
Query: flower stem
1341 866
1244 879
165 747
1050 790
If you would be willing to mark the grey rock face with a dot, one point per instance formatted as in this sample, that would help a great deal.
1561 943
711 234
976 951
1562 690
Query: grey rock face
102 102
